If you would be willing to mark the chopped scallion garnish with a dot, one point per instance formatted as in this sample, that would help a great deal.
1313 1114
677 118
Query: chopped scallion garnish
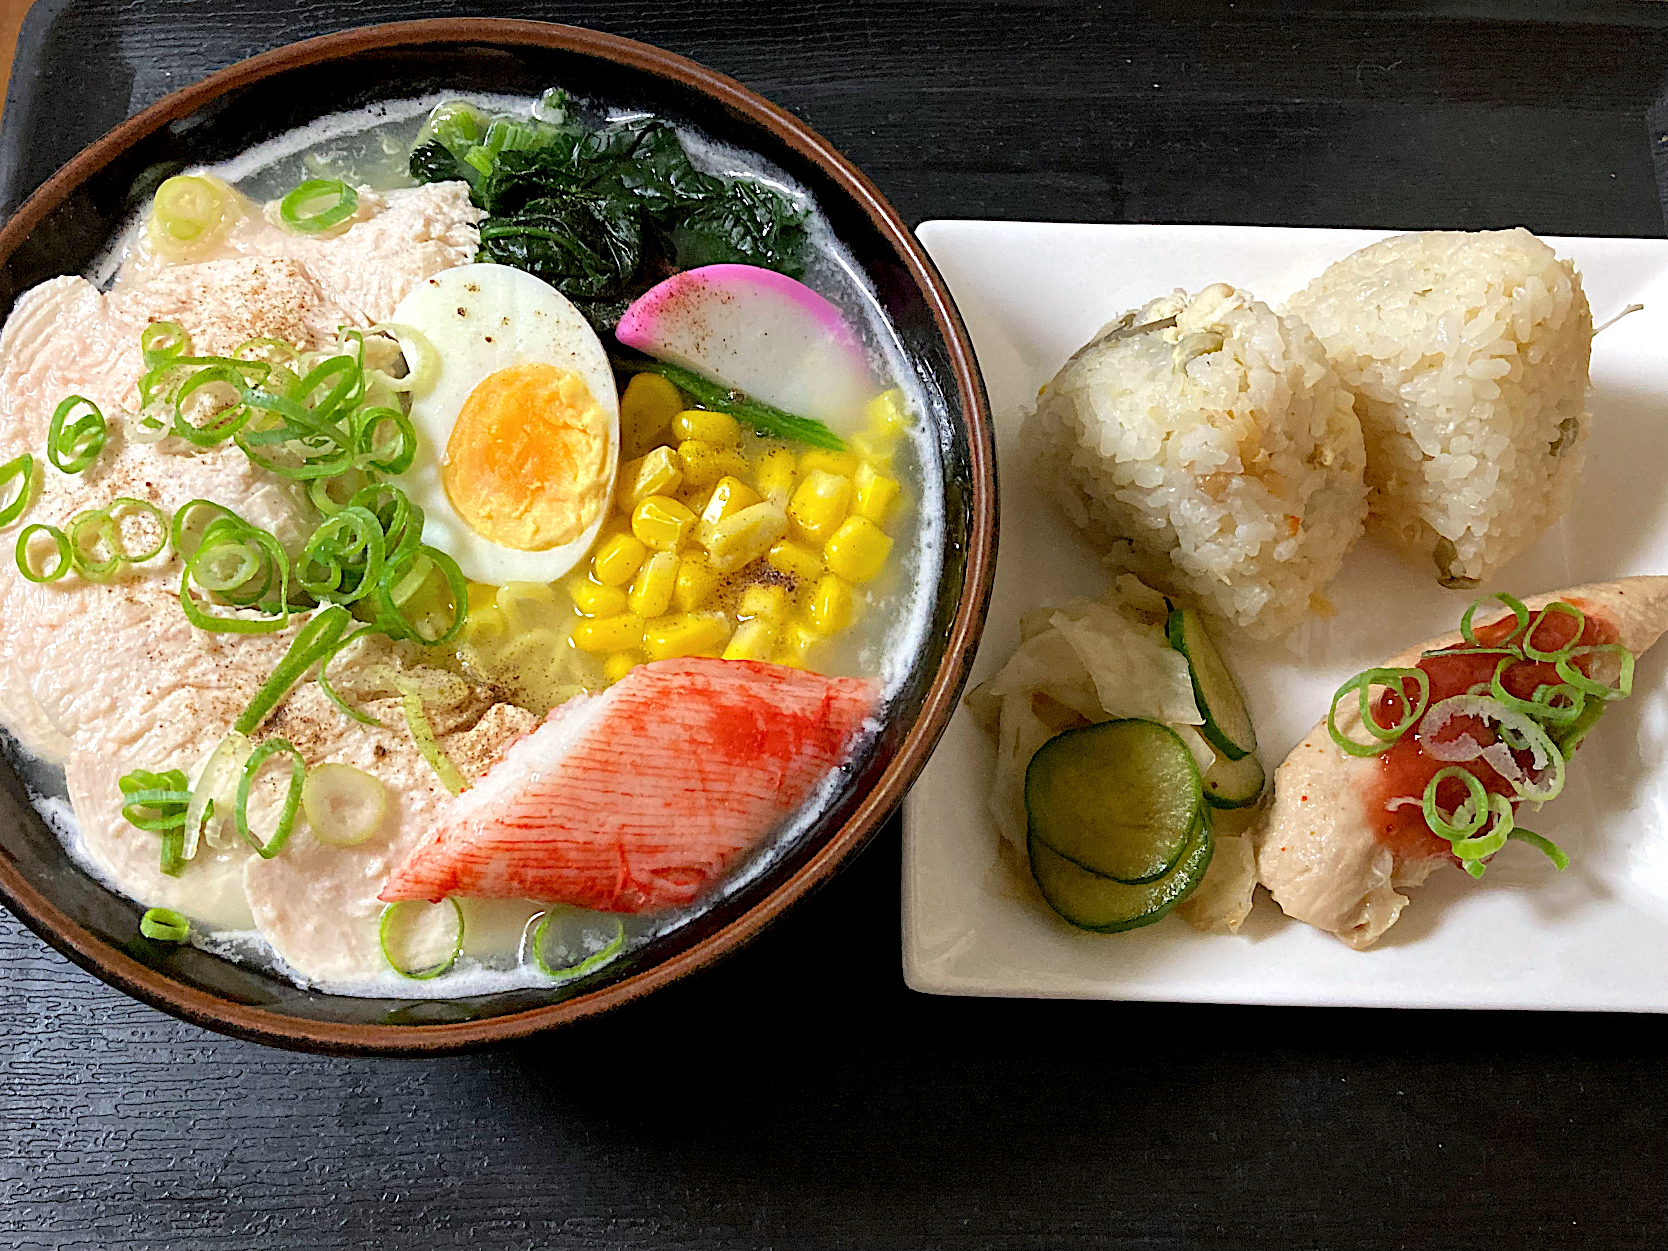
280 835
72 446
1395 682
397 917
164 925
317 205
22 469
26 556
587 964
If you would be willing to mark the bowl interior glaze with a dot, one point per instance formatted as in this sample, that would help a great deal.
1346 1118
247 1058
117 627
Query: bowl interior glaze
61 230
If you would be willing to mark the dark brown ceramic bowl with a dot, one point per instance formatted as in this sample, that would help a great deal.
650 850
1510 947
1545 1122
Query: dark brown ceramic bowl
61 228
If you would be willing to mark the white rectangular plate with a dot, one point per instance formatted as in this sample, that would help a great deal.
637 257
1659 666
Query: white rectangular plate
1595 937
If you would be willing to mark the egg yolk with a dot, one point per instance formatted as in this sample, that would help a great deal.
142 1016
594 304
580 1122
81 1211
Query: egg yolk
526 463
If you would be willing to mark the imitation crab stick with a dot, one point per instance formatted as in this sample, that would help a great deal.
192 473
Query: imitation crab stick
639 798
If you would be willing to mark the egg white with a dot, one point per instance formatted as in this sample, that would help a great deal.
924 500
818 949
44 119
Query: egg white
480 319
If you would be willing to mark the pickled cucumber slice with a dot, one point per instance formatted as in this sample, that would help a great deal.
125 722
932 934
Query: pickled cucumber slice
1227 723
1120 799
1234 783
1092 902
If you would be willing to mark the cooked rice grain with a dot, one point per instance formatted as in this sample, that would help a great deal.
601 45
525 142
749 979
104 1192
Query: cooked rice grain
1468 356
1219 445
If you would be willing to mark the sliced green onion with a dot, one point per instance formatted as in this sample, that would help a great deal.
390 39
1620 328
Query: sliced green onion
157 803
216 788
1545 754
86 531
188 209
1559 606
344 805
259 562
1542 707
318 204
1473 810
422 362
1586 685
22 468
347 709
25 562
164 925
1519 610
580 968
313 641
422 733
762 417
292 796
343 559
1553 852
390 916
1480 846
400 583
1395 681
394 456
72 446
223 422
162 342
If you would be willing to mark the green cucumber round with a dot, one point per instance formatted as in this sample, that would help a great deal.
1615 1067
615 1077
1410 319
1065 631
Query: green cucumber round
1234 783
1227 724
1092 902
1120 799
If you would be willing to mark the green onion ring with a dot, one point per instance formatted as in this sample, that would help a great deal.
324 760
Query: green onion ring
349 542
81 557
59 539
164 925
292 208
163 341
253 349
589 964
157 803
1586 685
231 531
1540 745
1557 605
396 459
396 587
1519 610
73 447
22 467
1480 846
264 750
419 975
223 423
1541 706
1394 680
312 642
1476 803
1553 852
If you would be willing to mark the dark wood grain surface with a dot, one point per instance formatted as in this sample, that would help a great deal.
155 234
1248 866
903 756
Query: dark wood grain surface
799 1095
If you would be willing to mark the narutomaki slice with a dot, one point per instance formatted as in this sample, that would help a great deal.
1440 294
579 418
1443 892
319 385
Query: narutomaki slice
641 797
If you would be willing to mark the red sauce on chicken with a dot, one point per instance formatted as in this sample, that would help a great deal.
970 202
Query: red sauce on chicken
1406 769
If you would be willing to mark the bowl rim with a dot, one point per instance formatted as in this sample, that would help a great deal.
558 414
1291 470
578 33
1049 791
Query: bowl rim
255 1023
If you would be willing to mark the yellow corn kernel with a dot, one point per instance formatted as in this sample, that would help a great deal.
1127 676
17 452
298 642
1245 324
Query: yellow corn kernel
874 494
651 593
796 561
621 663
841 464
481 594
718 429
658 473
775 474
698 582
754 640
662 523
857 550
875 449
764 599
617 560
743 537
595 600
886 413
685 634
704 464
820 504
609 634
728 498
646 409
831 604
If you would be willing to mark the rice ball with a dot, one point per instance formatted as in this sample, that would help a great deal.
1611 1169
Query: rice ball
1210 442
1468 356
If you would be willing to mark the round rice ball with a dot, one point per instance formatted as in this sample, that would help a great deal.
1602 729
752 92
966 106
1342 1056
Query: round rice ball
1211 441
1468 356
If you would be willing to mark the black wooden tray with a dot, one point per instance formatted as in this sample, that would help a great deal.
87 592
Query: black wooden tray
798 1095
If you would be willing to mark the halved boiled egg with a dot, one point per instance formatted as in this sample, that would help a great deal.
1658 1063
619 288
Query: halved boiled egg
519 430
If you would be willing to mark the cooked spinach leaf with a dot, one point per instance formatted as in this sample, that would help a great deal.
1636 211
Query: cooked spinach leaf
603 212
